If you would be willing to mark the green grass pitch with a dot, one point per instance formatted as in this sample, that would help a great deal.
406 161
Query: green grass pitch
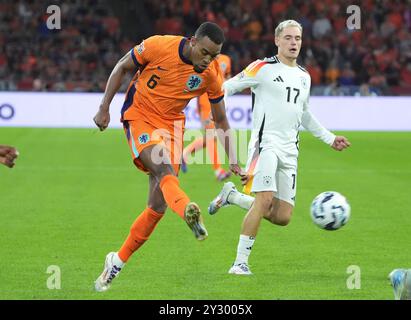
74 194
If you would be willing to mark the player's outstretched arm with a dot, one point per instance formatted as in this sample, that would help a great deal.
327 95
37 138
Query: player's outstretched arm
8 155
340 143
124 65
309 122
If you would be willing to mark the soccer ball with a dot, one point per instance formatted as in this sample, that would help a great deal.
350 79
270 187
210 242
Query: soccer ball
330 210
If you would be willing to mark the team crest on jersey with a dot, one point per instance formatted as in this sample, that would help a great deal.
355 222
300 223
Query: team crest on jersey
140 48
193 82
144 138
267 180
304 82
223 67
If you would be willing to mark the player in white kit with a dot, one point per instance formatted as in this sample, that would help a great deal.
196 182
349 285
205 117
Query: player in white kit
280 93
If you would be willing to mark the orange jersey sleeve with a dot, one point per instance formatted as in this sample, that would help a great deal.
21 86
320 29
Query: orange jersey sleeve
214 89
225 65
203 103
147 50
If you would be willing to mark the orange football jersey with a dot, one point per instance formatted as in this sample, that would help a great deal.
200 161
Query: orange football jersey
167 82
224 62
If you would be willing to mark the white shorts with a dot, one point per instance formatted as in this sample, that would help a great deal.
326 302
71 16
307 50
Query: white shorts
275 173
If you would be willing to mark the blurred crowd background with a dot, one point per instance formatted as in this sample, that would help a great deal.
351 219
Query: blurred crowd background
94 34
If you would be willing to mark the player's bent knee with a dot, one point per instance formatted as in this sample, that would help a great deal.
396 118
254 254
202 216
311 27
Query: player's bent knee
263 205
282 221
157 207
280 217
163 171
284 217
279 220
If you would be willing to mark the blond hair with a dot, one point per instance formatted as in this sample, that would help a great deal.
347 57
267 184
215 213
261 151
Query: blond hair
285 24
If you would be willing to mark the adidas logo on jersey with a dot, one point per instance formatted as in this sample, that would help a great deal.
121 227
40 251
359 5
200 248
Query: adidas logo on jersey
278 79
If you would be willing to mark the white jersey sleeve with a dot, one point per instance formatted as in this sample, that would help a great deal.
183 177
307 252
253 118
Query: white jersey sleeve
310 123
245 79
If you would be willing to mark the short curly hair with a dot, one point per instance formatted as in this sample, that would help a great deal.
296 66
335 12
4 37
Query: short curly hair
211 30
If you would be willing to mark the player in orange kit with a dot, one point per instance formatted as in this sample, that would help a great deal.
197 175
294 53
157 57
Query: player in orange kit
207 140
171 71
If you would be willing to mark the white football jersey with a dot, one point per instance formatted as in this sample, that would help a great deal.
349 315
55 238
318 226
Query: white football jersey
280 96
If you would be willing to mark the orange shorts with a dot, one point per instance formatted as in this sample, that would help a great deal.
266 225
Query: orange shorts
204 111
141 134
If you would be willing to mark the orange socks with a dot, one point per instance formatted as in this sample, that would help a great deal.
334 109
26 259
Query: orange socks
197 144
175 198
141 229
145 223
211 145
213 153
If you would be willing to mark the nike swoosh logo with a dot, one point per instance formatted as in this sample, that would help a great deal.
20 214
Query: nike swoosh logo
162 69
178 200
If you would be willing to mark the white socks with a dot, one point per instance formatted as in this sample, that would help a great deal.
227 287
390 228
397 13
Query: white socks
244 249
240 199
117 261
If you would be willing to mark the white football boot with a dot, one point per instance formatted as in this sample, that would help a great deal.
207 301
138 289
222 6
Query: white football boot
240 269
222 198
110 271
401 283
